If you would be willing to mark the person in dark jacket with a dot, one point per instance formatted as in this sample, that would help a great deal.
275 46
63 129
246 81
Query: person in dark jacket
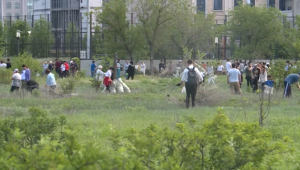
131 70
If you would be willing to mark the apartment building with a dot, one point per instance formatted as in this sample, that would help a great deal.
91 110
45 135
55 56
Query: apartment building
221 8
12 9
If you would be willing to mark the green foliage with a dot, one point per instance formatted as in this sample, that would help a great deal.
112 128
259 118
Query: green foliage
258 28
34 143
27 59
122 37
10 36
42 35
68 85
278 72
5 75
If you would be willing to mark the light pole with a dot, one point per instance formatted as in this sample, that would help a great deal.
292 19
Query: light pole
217 47
18 38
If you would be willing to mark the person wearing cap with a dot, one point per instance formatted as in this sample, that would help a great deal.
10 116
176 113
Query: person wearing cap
50 82
50 66
63 70
45 67
16 81
288 81
74 68
100 74
107 80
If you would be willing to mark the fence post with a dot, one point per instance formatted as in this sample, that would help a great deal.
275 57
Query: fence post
32 21
46 47
11 47
33 47
22 46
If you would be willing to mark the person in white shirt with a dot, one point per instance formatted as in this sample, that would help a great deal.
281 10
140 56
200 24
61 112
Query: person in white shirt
45 67
63 69
16 81
107 80
263 77
143 67
228 65
192 78
100 75
2 64
220 69
234 79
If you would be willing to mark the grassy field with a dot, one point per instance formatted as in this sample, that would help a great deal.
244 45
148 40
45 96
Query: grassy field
156 101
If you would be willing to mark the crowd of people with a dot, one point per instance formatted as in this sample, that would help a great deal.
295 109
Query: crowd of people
255 75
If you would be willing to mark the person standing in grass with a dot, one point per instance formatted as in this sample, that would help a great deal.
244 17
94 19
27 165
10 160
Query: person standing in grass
143 67
63 70
220 68
100 74
234 79
191 76
16 81
45 67
288 81
50 82
131 71
57 67
93 69
263 77
66 69
126 65
118 69
228 65
249 75
50 66
2 64
107 80
8 64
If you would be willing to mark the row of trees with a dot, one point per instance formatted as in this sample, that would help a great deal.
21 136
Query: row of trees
172 29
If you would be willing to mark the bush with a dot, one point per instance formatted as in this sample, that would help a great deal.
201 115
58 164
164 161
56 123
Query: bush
5 75
68 85
219 144
33 64
278 72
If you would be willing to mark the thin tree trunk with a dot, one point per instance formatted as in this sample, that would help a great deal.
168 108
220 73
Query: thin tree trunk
151 59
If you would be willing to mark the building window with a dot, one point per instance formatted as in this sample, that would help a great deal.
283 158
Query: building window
272 3
252 2
201 5
17 5
8 5
218 5
282 5
237 2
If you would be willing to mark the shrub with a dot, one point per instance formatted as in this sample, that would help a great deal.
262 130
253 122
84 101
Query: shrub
278 72
27 59
219 144
5 75
68 85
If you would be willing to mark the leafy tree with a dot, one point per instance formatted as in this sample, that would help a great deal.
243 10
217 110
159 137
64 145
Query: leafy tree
153 16
42 38
259 29
97 47
10 36
120 35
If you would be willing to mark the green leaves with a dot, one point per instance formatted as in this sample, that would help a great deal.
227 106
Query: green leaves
259 28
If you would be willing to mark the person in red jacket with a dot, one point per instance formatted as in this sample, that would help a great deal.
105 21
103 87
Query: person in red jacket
66 69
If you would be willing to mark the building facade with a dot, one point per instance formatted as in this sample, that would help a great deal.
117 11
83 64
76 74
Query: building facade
221 8
12 9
